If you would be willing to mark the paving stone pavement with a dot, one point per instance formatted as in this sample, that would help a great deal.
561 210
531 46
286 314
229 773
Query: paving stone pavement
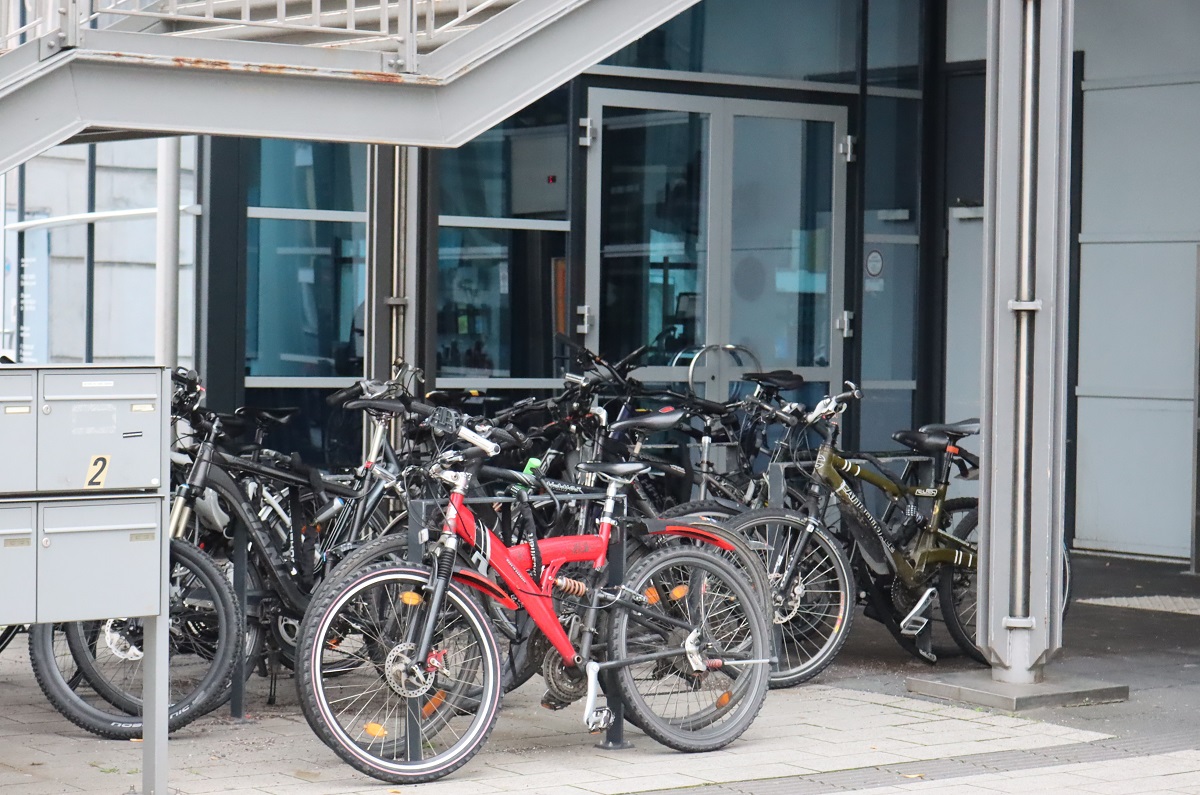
832 738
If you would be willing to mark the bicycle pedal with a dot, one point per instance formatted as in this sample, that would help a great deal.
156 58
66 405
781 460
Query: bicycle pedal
554 704
915 622
600 719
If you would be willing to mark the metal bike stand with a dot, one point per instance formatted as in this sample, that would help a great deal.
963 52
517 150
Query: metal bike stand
237 690
419 510
86 479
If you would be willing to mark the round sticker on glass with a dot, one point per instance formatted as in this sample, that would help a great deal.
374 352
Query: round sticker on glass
875 264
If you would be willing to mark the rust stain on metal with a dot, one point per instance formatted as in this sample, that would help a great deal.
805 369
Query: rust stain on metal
202 63
378 77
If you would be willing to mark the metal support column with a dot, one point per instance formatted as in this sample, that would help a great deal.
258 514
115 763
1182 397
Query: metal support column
166 338
1026 254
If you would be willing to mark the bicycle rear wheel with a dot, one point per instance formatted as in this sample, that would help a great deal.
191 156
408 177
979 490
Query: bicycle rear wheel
669 698
373 712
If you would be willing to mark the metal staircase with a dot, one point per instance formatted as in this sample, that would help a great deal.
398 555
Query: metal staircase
421 72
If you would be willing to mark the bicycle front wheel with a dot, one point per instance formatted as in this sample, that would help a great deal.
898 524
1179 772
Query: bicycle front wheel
360 692
812 591
698 605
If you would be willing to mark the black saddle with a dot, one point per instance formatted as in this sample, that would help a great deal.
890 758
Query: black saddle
266 417
936 437
783 380
652 421
621 470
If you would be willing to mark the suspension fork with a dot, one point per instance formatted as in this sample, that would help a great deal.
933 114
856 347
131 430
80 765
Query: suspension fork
443 568
191 489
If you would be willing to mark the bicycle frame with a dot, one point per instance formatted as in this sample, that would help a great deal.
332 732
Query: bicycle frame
934 547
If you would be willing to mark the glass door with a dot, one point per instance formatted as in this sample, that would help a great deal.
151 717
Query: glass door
716 221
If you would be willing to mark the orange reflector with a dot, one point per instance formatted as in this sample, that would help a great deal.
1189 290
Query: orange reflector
411 598
431 706
724 698
652 595
375 730
678 592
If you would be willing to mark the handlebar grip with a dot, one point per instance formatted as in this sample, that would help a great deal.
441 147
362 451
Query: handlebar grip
342 395
486 445
424 409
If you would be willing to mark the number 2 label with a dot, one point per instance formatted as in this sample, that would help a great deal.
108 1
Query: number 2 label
97 471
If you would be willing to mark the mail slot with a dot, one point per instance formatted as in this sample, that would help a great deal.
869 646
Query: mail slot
18 564
99 429
98 558
18 429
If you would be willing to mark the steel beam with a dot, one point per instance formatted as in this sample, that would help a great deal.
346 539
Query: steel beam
166 266
1026 256
153 84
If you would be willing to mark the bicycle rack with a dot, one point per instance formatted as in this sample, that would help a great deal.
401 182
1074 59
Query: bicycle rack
86 478
732 350
420 510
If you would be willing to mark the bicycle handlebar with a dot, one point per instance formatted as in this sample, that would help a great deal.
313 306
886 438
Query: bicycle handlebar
342 395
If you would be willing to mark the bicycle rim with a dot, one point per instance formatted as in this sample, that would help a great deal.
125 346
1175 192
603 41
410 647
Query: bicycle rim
376 716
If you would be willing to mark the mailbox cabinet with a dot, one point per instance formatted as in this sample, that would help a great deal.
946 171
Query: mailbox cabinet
18 429
18 563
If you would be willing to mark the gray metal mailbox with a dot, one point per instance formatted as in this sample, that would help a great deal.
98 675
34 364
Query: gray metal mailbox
18 431
84 495
100 429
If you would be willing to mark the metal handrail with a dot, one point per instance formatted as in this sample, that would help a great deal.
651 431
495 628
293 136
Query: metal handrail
403 26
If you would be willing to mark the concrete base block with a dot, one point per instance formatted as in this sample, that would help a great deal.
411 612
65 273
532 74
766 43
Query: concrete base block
978 687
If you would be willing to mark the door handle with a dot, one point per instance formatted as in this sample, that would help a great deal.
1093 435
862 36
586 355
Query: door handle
845 324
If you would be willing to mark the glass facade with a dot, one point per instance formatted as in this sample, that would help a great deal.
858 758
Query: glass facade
815 40
80 225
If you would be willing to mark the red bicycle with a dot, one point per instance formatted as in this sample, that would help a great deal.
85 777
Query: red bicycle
682 639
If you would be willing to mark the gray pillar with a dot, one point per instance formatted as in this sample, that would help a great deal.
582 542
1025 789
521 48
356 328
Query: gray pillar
1026 256
166 338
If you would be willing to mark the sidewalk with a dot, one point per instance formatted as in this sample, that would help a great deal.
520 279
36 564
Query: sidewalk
855 730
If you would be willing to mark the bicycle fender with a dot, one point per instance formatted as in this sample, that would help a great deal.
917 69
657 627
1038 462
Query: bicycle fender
658 527
485 586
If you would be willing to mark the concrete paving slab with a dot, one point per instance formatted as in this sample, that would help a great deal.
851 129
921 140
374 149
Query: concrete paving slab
978 687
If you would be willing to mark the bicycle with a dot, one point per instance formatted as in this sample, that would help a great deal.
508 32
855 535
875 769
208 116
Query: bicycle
428 665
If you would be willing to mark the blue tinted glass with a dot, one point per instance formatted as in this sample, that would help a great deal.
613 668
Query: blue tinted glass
305 287
308 175
812 40
894 43
517 169
893 165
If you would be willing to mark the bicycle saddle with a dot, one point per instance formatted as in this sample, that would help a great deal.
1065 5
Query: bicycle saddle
620 470
650 421
268 416
923 442
784 380
955 430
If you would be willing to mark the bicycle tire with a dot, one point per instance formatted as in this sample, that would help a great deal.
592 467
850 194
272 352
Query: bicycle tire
364 616
690 581
958 587
711 509
206 627
812 609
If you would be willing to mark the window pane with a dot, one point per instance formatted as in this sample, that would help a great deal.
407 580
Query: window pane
889 312
894 43
308 175
324 436
893 164
306 283
127 174
517 169
812 40
782 243
653 233
883 412
502 294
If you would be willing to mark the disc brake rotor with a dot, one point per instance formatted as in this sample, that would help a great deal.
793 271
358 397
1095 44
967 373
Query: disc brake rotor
398 673
118 642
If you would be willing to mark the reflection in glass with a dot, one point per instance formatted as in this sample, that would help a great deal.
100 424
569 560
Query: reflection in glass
781 255
894 43
306 284
517 169
882 413
308 175
502 294
889 313
893 165
653 233
811 40
324 436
